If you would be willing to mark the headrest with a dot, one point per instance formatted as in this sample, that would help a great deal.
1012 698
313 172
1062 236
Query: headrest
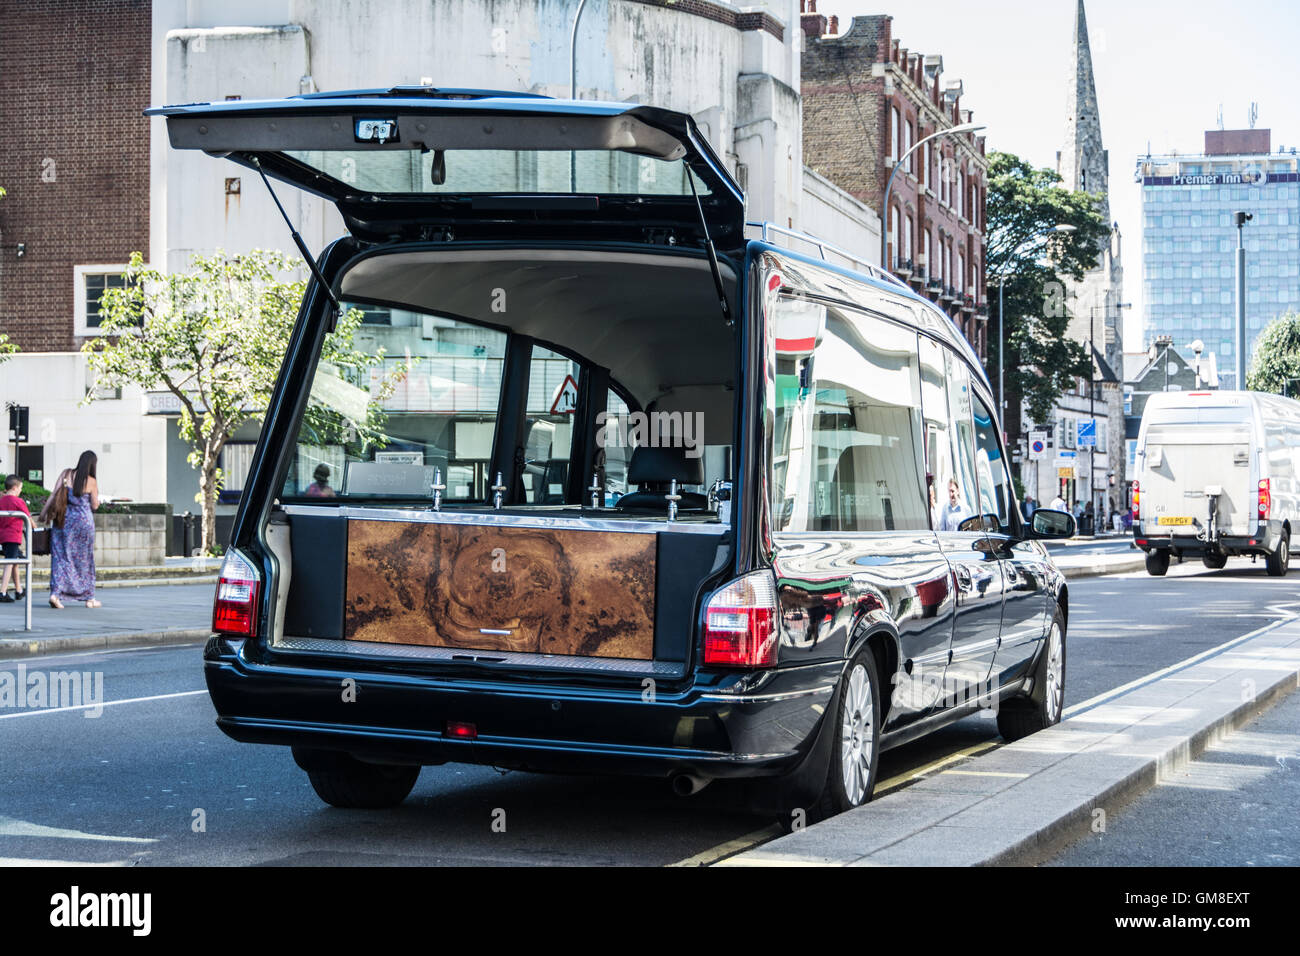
653 465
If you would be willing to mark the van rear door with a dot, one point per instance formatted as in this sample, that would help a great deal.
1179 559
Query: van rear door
1182 462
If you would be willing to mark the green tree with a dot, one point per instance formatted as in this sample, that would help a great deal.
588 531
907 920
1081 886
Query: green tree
214 337
1275 366
1033 262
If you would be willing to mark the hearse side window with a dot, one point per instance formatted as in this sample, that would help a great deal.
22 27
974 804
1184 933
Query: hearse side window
949 436
553 382
429 400
990 467
846 454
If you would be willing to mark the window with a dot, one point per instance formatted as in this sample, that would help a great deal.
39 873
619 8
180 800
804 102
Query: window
616 454
846 453
990 468
236 458
89 285
553 381
949 439
375 314
428 402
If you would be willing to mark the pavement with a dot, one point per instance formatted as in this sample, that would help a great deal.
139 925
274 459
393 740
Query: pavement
132 615
1232 806
1105 554
1022 803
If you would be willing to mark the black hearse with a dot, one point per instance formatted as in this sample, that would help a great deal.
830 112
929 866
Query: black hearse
627 487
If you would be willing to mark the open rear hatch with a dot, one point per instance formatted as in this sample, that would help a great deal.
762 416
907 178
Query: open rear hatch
420 163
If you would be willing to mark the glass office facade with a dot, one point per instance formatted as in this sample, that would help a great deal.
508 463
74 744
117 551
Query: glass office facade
1189 238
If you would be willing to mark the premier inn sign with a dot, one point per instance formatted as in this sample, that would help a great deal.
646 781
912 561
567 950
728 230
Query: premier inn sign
1247 177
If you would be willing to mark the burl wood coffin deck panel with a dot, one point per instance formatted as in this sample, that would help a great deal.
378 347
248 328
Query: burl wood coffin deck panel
586 593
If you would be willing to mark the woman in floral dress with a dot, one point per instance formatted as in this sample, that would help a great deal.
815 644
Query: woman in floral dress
72 546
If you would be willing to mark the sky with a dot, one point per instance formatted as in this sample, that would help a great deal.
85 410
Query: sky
1162 72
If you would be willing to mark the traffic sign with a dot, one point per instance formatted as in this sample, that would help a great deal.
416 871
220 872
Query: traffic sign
1037 448
1087 433
566 398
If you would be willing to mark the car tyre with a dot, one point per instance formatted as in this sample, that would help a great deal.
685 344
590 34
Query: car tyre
1214 562
342 780
1157 563
855 752
1279 562
1022 716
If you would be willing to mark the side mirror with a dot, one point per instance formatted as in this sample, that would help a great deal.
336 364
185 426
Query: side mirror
1047 523
984 522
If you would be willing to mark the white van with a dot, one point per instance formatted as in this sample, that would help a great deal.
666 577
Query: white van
1216 477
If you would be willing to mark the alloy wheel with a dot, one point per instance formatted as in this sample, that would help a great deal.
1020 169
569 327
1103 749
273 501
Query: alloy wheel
857 733
1053 689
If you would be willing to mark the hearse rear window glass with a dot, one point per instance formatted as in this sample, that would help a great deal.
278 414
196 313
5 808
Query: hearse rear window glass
846 451
428 399
405 171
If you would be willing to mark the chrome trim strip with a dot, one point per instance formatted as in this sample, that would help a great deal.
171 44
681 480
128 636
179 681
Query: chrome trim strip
766 698
573 520
367 650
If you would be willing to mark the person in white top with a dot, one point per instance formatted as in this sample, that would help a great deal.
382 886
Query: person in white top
954 513
1058 504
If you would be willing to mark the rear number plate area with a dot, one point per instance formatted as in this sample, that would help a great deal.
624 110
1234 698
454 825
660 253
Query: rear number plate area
1174 520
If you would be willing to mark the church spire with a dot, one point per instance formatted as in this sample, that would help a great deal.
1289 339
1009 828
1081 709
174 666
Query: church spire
1083 159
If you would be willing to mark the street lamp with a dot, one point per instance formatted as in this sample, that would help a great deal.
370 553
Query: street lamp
1061 228
1241 219
889 183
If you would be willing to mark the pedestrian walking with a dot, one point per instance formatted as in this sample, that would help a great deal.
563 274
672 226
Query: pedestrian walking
72 541
11 540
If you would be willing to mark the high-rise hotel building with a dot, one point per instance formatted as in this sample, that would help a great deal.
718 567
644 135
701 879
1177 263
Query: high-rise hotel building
1189 240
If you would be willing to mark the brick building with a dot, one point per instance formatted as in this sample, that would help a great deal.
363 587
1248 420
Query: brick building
75 162
866 101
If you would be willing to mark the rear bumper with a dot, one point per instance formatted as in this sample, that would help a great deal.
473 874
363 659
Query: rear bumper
1265 540
741 726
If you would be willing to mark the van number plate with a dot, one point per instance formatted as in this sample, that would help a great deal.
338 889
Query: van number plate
1168 519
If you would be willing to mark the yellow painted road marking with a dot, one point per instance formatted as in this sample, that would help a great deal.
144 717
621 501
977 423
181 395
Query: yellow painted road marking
731 847
893 783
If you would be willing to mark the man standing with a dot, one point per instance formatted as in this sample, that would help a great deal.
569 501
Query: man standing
953 513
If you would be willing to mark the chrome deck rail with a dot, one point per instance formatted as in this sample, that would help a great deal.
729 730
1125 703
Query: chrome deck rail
28 530
768 229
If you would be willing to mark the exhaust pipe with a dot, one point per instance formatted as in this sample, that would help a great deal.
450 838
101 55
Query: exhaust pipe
688 784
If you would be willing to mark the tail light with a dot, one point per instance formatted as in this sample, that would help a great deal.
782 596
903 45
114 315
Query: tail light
740 623
1265 499
235 610
1136 501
